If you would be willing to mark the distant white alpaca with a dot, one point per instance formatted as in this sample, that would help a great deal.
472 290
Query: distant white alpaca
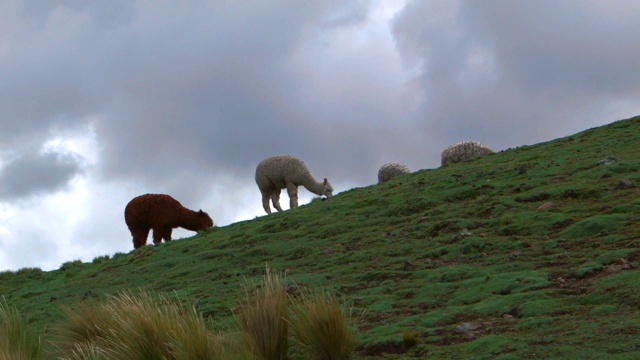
280 172
390 170
464 150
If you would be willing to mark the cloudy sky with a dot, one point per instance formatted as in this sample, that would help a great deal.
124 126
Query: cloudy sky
101 101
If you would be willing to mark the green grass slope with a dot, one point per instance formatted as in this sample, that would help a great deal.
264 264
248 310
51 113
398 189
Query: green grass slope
451 263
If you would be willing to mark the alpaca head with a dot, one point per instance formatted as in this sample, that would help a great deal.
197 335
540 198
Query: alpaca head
328 189
204 220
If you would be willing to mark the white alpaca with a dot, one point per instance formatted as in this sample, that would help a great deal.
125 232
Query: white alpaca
280 172
464 150
390 170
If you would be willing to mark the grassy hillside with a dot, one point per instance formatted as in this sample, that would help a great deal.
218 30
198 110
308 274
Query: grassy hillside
461 259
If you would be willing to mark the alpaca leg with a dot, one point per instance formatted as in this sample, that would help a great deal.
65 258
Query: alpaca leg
292 190
265 203
139 237
161 233
275 199
157 235
166 234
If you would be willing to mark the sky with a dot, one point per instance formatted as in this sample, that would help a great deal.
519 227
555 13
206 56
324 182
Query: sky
102 101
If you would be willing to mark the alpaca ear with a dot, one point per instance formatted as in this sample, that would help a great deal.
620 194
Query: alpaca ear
200 212
326 181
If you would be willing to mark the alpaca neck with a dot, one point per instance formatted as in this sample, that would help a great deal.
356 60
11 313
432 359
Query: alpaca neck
190 220
314 186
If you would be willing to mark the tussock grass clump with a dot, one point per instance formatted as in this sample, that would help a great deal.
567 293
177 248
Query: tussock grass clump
17 340
410 338
88 323
263 319
87 351
152 326
142 326
320 326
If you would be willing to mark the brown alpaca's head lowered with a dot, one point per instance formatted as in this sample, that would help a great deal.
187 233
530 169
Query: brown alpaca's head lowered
203 221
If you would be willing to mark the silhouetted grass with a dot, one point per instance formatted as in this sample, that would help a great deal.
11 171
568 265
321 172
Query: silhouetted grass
320 325
263 318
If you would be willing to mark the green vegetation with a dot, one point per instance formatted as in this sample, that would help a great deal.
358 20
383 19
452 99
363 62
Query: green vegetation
144 325
17 339
456 262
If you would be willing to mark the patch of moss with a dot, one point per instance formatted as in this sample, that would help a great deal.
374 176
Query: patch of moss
612 239
491 346
588 268
631 208
595 225
535 323
540 307
610 257
604 310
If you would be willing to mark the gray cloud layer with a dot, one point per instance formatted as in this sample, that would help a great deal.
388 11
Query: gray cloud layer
510 72
186 98
36 174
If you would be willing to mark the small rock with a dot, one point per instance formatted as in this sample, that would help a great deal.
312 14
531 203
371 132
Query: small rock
613 269
507 316
464 233
469 330
625 184
408 265
468 326
607 160
546 206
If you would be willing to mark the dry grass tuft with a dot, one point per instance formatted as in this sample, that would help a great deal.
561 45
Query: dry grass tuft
321 327
263 319
87 351
17 340
138 326
410 338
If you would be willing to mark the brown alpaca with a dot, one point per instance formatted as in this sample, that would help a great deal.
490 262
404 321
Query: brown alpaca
162 213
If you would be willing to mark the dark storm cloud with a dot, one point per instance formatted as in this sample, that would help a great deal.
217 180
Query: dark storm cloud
178 91
36 173
516 72
582 46
172 89
217 95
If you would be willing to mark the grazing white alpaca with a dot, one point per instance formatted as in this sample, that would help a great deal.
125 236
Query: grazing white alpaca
390 170
464 150
279 172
